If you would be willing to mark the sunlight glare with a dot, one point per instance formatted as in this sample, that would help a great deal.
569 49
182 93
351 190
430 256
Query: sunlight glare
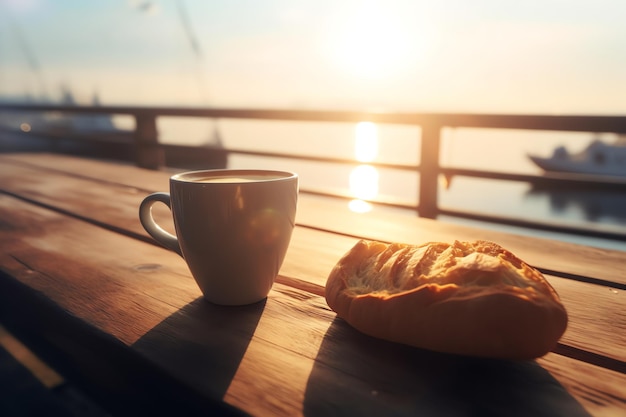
359 206
374 41
366 142
364 178
364 182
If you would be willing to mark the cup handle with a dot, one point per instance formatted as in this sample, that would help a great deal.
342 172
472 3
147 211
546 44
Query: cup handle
147 221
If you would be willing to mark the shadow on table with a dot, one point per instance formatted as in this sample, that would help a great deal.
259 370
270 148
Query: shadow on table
203 342
419 382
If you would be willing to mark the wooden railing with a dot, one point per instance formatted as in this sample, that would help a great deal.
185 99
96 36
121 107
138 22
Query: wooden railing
149 153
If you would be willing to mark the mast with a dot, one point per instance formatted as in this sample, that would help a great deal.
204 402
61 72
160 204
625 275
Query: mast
29 55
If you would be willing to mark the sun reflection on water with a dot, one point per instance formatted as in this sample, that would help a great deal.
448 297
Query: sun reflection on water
366 142
364 178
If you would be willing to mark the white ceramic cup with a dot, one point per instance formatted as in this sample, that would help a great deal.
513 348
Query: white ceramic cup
233 229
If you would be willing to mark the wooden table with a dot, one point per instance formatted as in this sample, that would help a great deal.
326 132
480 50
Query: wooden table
85 287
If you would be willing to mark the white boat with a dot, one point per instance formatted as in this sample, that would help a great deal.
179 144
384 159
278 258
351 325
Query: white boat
598 158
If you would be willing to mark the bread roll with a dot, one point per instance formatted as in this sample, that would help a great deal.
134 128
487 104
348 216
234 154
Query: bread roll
466 298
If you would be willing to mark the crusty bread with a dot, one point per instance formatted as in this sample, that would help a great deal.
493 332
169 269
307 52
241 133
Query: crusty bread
467 298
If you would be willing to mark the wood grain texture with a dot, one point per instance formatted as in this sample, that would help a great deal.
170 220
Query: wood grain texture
607 390
569 258
591 325
554 255
73 243
288 356
598 327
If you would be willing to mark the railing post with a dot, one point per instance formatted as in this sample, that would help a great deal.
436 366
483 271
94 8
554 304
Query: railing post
148 153
429 170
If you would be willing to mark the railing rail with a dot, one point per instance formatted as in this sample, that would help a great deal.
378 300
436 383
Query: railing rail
150 153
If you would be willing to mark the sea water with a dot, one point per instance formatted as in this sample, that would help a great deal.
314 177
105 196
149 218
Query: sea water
499 150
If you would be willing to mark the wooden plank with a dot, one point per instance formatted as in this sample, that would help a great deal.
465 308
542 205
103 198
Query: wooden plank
584 261
287 356
596 327
119 173
605 395
95 200
577 260
121 213
600 265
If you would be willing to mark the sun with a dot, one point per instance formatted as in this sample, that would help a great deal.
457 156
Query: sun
373 41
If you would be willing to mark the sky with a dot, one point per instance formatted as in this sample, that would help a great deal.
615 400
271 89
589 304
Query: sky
475 56
496 56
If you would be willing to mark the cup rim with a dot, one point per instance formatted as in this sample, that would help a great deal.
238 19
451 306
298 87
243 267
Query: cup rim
273 175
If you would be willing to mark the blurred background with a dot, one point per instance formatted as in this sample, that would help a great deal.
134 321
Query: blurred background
484 56
535 56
